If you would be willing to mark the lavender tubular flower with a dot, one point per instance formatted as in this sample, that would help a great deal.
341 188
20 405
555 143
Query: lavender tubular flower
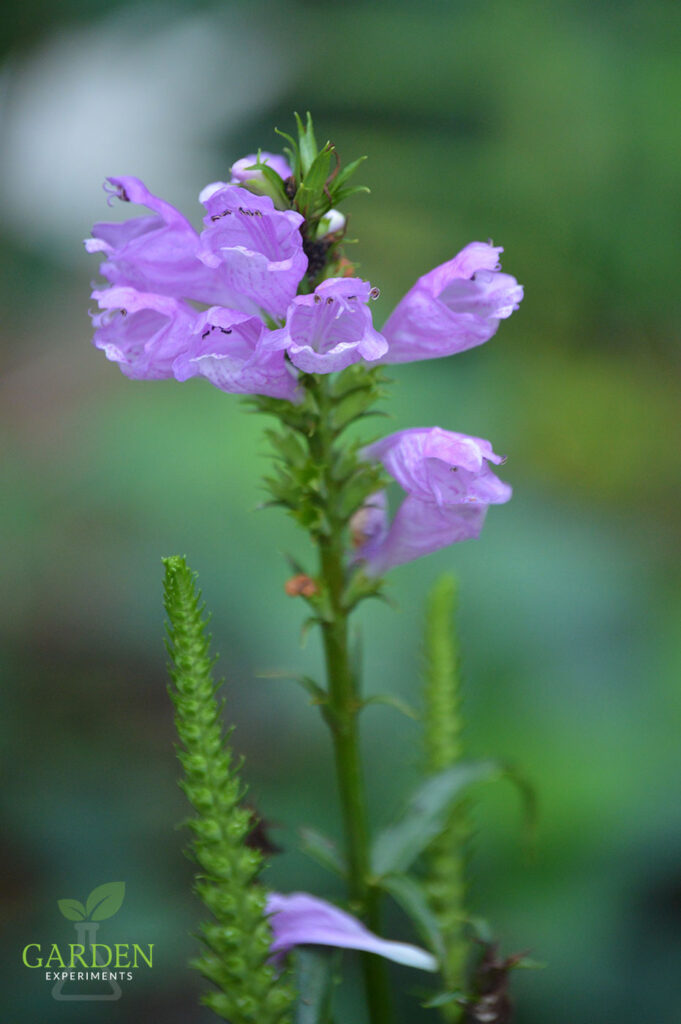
257 249
299 919
230 349
332 328
143 333
454 307
157 253
448 485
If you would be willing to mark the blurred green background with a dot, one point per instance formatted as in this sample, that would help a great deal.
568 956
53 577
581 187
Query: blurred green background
553 129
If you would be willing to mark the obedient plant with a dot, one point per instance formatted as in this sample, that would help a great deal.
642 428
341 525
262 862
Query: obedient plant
262 301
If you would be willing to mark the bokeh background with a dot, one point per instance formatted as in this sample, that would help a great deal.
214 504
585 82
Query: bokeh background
553 129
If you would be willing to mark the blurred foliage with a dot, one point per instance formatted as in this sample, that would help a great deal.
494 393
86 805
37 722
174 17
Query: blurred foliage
552 128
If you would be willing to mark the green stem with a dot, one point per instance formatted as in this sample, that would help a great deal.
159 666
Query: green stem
344 707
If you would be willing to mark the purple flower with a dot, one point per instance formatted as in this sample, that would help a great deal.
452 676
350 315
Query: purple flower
448 485
157 253
454 307
229 349
331 328
257 249
243 169
144 333
300 919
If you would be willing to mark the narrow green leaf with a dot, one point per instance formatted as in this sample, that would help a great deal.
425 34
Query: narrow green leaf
318 694
315 969
391 701
322 849
105 901
315 178
444 999
347 172
307 143
293 153
345 193
398 846
411 897
276 186
73 910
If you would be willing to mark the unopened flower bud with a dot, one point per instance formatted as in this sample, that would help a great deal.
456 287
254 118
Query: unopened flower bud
331 222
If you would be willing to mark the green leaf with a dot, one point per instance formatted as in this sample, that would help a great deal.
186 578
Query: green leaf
310 197
411 897
444 999
307 143
398 846
293 153
275 187
317 693
527 963
347 172
105 901
322 849
345 193
315 179
392 701
72 910
315 970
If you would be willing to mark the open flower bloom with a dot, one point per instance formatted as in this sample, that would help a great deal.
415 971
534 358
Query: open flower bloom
243 170
229 349
257 249
448 485
144 333
331 328
299 919
157 253
454 307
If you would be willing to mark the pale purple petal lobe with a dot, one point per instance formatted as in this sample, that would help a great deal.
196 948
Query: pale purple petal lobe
300 919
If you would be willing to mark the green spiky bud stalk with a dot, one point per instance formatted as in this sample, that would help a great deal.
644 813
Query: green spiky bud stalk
237 939
443 726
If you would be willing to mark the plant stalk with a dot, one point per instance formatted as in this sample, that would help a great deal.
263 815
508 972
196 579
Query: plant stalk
345 705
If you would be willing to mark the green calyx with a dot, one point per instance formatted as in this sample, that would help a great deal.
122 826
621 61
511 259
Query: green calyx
318 476
237 938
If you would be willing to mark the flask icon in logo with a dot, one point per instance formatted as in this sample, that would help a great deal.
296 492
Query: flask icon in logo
102 903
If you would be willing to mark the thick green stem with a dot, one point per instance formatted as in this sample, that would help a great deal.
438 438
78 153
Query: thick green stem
344 707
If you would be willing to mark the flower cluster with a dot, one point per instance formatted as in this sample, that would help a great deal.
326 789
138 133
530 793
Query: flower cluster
252 302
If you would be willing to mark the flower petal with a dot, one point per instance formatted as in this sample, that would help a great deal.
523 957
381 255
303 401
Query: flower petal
453 307
229 349
156 254
144 333
329 330
257 249
300 919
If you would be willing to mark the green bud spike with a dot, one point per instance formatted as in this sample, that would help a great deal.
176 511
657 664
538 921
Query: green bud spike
238 937
446 859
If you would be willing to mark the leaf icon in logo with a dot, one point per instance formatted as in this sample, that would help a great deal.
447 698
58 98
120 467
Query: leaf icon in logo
105 900
72 910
